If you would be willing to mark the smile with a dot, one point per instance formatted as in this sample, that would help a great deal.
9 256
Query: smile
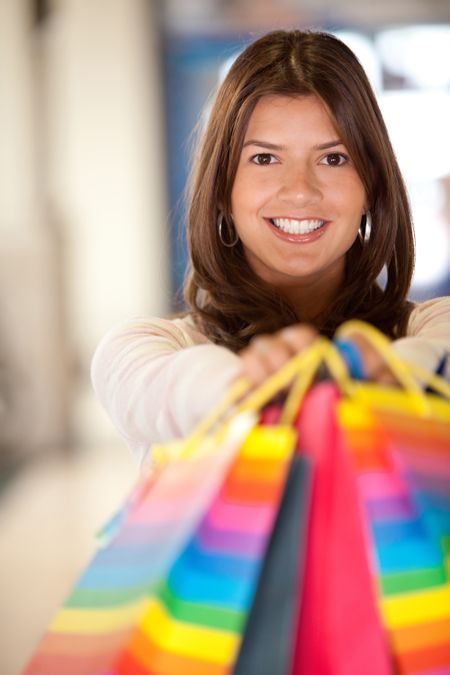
294 226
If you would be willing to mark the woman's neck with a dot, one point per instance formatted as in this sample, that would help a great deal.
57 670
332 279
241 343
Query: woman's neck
311 300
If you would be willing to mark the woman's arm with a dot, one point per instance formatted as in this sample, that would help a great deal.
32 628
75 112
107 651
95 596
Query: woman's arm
428 339
156 383
427 344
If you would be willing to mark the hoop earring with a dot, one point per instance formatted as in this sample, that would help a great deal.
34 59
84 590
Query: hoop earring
365 228
220 222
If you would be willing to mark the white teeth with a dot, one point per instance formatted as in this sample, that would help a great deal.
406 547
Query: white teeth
297 226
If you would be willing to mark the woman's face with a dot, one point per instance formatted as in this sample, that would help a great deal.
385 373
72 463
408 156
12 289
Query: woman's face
297 199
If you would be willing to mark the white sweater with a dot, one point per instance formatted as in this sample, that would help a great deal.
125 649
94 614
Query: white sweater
157 378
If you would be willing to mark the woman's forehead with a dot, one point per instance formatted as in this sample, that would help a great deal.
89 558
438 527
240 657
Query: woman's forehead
279 114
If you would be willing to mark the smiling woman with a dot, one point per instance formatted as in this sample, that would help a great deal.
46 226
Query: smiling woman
296 207
266 85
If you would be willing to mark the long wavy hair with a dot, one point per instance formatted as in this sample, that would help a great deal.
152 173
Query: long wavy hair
228 302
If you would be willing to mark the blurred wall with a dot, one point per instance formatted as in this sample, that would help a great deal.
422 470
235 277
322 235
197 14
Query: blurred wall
83 208
32 357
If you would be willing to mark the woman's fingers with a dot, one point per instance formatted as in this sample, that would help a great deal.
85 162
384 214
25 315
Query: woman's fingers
268 353
375 367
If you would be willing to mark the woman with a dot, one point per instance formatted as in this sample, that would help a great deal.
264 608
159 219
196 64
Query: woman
297 206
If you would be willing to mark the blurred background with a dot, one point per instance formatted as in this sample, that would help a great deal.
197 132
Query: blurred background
98 100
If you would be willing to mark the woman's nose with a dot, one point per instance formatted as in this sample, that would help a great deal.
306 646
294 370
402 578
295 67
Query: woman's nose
299 185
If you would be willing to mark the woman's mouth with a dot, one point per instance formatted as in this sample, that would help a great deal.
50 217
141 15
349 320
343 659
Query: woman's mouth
295 226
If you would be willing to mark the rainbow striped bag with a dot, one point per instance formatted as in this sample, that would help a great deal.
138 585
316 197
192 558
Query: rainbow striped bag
173 587
403 480
399 446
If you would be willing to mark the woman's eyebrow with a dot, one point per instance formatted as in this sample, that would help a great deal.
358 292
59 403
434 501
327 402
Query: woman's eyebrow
264 144
329 144
274 146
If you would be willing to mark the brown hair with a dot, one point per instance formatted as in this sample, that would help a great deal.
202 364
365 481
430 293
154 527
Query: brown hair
229 303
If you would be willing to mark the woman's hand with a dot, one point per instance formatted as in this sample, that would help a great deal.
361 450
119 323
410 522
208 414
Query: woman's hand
268 353
374 366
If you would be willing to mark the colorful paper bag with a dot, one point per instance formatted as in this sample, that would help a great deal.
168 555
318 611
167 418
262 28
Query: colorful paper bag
269 638
172 591
403 481
340 632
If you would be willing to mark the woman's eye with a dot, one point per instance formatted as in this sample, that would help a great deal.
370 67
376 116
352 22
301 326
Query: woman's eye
263 158
334 159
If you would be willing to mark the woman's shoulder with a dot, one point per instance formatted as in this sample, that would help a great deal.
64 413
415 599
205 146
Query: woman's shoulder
429 314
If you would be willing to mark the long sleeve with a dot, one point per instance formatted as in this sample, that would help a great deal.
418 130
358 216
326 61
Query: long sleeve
156 382
428 340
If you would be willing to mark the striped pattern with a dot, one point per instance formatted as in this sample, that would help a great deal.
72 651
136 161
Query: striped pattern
171 592
403 472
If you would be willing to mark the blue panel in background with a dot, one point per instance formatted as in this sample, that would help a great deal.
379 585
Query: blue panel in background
191 72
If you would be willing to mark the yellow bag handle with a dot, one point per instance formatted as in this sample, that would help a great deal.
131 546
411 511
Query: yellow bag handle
300 368
430 379
409 375
241 399
298 373
220 412
383 346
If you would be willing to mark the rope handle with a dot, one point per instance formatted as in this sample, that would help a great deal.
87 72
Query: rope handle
241 399
410 376
382 345
297 375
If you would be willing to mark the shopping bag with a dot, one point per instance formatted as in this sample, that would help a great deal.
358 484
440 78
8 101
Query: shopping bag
172 591
269 637
377 588
340 632
403 479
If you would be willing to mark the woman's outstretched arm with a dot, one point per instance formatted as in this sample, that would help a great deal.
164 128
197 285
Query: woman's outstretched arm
157 381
